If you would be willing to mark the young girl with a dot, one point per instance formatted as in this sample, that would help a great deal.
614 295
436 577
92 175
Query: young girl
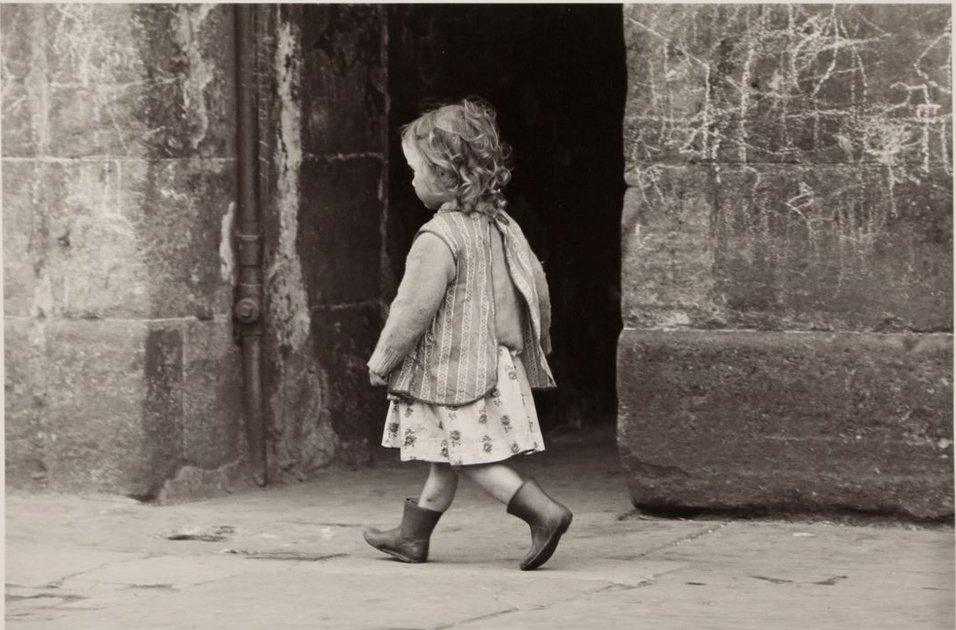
466 337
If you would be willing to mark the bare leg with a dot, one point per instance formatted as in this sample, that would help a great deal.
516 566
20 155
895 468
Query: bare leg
440 487
498 480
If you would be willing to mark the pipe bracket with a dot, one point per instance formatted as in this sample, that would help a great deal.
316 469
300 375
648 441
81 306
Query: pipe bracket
247 310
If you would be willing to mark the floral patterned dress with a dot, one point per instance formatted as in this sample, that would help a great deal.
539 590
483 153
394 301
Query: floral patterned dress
502 424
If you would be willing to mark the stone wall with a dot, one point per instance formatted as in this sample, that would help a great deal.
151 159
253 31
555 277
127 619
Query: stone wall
118 202
322 99
787 271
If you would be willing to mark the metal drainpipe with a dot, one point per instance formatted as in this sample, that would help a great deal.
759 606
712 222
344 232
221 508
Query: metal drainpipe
248 307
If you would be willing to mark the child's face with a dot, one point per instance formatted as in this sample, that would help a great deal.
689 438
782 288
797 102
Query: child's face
424 182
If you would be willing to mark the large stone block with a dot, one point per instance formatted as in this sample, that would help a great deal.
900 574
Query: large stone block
97 120
798 422
85 44
120 405
339 231
21 81
212 393
788 83
114 412
188 53
302 440
119 239
119 80
832 247
163 405
21 187
668 248
25 403
183 212
343 340
343 78
82 249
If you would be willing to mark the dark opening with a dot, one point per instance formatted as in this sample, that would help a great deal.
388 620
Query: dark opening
557 77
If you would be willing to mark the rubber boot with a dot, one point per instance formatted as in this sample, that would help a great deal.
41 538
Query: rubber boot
409 541
547 518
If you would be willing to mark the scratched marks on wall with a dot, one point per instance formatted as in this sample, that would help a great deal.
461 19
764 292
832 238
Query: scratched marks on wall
826 132
790 84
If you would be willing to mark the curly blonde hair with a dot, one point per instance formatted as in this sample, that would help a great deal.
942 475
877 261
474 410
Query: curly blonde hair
461 144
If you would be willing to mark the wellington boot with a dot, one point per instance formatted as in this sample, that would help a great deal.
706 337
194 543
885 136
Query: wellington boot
547 518
409 541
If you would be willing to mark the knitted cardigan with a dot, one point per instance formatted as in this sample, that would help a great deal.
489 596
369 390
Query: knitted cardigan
439 343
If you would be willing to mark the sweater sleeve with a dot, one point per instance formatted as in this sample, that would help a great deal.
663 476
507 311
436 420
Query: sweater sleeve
429 268
544 304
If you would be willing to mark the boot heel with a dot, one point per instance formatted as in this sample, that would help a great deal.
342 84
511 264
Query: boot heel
409 541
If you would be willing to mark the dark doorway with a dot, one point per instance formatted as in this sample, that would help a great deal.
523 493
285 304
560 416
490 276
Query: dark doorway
557 77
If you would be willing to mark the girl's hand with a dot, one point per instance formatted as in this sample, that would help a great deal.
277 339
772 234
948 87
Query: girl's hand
375 379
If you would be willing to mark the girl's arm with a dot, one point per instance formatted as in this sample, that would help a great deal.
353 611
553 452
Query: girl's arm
544 303
428 270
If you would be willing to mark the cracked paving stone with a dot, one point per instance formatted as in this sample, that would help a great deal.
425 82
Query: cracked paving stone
283 555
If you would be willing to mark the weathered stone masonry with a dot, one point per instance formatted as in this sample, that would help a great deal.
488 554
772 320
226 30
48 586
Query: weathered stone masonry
787 235
118 202
322 105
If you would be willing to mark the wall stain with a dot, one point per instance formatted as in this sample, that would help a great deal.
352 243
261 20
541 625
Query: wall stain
201 70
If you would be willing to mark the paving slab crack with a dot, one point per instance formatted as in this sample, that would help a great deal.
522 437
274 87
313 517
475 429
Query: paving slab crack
67 597
158 587
498 613
612 586
293 556
772 580
831 581
673 543
59 582
619 586
322 524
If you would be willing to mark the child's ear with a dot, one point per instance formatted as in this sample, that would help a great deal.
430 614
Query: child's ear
448 179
